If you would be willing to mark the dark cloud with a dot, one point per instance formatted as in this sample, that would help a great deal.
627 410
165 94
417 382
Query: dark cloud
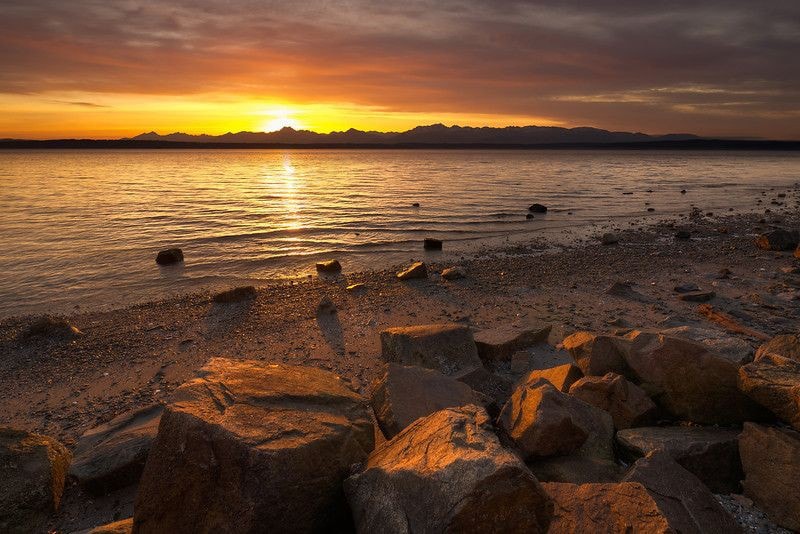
726 67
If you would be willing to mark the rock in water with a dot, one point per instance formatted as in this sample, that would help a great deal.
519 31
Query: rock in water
33 469
771 462
112 455
447 473
404 394
329 266
237 294
774 383
250 446
561 376
709 453
627 403
449 348
432 244
416 270
785 346
169 256
538 208
780 240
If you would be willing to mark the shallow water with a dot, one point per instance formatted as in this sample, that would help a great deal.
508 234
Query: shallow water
81 228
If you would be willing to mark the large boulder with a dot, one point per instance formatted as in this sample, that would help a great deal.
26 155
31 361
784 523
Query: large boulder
733 348
112 455
774 383
627 403
500 343
709 453
404 394
607 508
771 462
778 239
686 380
447 473
449 348
784 346
251 446
33 469
681 496
561 376
597 354
487 383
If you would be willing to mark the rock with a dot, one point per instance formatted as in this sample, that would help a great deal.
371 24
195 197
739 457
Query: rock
686 288
169 256
797 252
125 526
356 288
609 239
447 473
576 469
686 380
784 346
415 204
538 208
779 239
529 216
33 469
499 344
416 270
50 326
329 266
697 296
709 453
453 273
561 376
596 354
771 462
774 383
237 294
251 446
625 507
326 306
628 405
683 234
112 455
449 348
680 496
432 244
486 383
404 394
625 290
731 348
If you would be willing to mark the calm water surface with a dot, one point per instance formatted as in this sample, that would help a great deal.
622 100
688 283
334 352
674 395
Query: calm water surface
81 228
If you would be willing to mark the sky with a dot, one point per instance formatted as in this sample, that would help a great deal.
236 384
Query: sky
116 68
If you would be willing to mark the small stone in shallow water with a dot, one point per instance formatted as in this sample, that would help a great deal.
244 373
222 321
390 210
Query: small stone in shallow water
432 244
538 208
169 256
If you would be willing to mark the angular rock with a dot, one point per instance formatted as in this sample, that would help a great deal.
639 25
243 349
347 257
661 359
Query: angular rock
771 462
785 346
169 256
697 296
404 394
237 294
774 383
432 244
487 383
627 403
779 239
597 354
415 270
33 469
689 506
561 376
449 348
112 455
610 508
686 380
250 446
447 473
453 273
576 469
329 266
732 348
499 344
124 526
709 453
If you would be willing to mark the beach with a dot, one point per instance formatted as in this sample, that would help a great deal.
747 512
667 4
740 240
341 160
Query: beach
134 356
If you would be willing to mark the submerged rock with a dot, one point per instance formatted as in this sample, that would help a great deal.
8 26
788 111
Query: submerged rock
169 256
449 348
432 244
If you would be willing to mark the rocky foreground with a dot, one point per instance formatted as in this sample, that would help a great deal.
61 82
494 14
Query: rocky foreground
670 402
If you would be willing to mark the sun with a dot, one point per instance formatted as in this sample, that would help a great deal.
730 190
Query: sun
280 118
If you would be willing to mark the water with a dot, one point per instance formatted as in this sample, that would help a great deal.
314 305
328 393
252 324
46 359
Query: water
81 228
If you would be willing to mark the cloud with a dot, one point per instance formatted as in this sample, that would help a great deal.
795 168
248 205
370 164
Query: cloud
581 61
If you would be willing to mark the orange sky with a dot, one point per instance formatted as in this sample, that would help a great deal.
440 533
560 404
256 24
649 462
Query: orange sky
87 68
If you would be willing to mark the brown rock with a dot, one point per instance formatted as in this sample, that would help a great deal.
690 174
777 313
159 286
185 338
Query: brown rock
697 296
785 346
404 394
486 383
709 453
774 383
169 256
250 446
778 240
33 469
576 469
448 348
453 273
447 473
50 326
771 462
416 270
627 403
561 376
112 455
125 526
329 266
237 294
689 506
597 354
498 344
